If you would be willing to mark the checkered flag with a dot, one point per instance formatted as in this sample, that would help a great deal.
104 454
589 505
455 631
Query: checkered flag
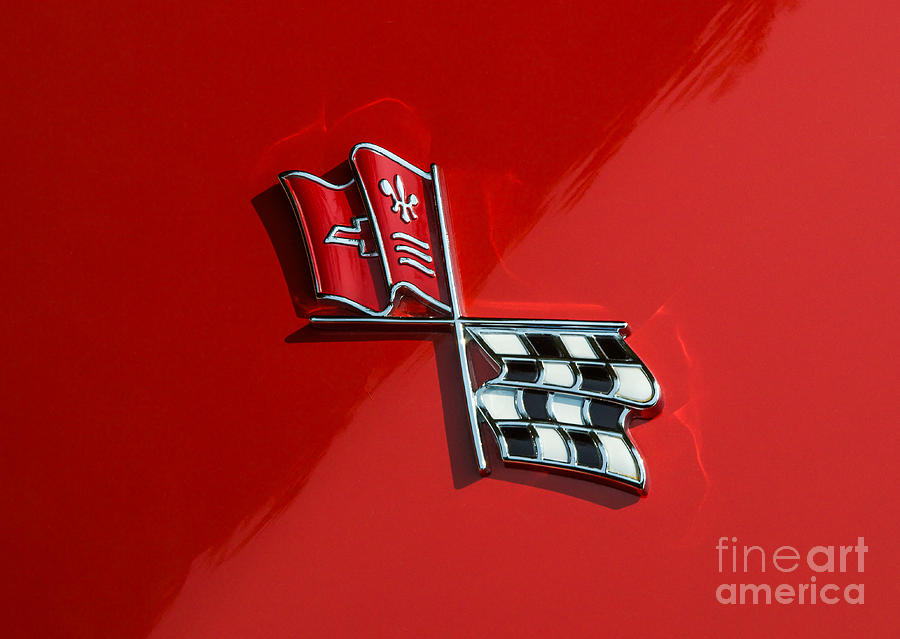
563 391
563 396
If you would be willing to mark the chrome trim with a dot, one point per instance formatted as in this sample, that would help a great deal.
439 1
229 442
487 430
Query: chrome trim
354 227
403 248
367 202
468 329
399 235
416 265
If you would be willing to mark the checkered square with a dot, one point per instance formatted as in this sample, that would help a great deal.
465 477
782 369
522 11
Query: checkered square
563 398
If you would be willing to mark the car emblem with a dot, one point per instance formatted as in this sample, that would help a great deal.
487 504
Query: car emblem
557 395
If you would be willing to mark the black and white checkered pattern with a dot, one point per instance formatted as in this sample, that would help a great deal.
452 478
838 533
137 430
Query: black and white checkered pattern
563 397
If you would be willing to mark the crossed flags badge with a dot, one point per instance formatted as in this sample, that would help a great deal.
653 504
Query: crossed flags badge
557 395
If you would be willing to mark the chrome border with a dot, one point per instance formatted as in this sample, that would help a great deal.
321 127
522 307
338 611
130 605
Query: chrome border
463 329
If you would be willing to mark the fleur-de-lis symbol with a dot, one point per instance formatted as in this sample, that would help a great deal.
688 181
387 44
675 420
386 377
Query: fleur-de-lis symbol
399 202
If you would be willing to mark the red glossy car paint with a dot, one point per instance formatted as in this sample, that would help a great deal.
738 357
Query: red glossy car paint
183 458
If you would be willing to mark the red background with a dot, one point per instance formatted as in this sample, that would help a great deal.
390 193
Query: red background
181 457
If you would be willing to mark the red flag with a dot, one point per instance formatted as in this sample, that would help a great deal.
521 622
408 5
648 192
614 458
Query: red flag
403 205
342 251
376 237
